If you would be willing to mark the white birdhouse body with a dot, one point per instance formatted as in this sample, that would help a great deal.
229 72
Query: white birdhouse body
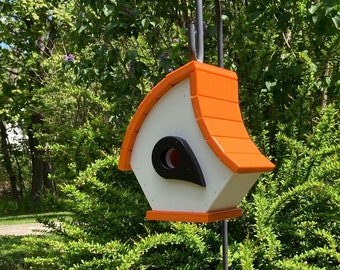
174 116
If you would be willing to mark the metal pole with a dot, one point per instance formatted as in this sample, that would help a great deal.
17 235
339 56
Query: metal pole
192 41
219 32
220 64
225 243
200 32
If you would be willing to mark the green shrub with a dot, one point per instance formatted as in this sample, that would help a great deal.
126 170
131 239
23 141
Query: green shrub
106 203
11 255
108 230
291 220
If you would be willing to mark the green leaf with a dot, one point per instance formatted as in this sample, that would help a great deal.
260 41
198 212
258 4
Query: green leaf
108 10
336 21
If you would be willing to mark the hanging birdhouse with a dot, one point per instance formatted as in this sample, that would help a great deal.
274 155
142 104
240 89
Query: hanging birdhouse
189 148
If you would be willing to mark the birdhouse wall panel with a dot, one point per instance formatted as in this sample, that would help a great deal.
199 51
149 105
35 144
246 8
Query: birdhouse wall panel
171 194
240 184
167 119
218 87
216 108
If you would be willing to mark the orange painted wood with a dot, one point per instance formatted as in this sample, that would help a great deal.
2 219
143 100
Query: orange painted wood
137 120
237 145
222 127
216 108
161 88
248 163
218 87
124 160
193 216
146 105
128 143
181 73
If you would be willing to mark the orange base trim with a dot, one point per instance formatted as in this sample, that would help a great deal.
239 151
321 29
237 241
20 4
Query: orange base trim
194 216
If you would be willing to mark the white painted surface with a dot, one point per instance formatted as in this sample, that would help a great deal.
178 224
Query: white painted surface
173 115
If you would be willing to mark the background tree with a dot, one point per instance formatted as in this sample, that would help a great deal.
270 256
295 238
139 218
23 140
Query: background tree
29 36
106 56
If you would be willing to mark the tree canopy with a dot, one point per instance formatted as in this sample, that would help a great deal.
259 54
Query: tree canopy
72 73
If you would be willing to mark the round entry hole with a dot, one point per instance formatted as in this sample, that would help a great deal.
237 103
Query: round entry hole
171 158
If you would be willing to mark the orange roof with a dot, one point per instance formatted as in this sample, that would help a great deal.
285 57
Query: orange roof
214 95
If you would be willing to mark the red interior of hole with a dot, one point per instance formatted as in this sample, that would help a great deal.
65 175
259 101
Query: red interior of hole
174 157
171 158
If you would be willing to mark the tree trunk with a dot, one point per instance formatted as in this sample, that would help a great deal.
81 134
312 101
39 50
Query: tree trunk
40 168
7 161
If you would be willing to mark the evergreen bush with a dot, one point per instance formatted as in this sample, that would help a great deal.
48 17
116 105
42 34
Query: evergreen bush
293 214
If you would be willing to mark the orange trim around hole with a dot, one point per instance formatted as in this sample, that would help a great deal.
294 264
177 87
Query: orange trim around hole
194 216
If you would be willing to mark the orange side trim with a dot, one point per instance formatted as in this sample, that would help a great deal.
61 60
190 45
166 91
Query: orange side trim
146 105
131 134
124 160
161 88
181 73
194 216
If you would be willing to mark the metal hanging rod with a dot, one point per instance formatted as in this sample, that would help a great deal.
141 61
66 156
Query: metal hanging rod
197 53
196 30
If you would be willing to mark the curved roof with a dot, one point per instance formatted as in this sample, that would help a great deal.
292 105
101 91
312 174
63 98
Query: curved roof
214 96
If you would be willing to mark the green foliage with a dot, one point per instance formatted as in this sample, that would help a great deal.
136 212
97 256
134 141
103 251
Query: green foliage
185 248
84 66
101 234
53 253
96 199
293 213
11 256
287 69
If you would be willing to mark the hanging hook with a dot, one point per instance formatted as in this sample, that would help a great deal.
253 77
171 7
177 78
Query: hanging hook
197 52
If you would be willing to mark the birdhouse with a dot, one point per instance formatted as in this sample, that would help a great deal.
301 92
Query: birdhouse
189 148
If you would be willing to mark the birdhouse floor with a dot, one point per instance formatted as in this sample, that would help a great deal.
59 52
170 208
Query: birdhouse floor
194 216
